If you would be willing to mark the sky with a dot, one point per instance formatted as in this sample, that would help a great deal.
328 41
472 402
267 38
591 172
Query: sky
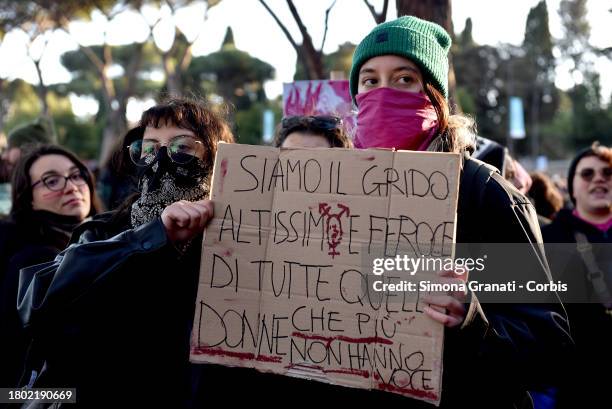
494 22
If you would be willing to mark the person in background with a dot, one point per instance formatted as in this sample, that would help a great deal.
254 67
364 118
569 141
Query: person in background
545 196
23 137
53 192
311 132
114 311
5 176
492 153
585 264
516 174
118 178
19 140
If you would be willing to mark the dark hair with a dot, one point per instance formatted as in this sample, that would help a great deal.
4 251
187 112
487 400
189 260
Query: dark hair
21 208
603 153
197 116
546 197
329 127
188 113
119 160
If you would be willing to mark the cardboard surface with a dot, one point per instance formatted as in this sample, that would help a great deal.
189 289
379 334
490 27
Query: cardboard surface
286 262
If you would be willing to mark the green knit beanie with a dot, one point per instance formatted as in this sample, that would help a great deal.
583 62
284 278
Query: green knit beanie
422 42
29 134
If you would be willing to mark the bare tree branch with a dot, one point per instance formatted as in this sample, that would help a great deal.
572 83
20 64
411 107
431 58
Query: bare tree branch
383 14
310 55
185 59
108 56
91 55
298 20
96 61
282 26
108 88
44 47
372 10
378 18
171 7
326 25
130 73
152 26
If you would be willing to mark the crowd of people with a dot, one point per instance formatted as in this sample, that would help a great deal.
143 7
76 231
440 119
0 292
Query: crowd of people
103 301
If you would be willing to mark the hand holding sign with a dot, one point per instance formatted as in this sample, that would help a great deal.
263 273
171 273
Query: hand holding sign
447 309
183 220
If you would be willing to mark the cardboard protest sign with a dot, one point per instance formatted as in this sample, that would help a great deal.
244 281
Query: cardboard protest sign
320 97
285 271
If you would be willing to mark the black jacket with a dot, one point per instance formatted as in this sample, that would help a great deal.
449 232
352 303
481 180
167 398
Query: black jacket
118 312
591 323
501 352
114 312
26 242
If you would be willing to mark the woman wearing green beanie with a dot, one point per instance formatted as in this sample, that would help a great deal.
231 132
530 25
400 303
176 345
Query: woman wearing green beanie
399 82
493 353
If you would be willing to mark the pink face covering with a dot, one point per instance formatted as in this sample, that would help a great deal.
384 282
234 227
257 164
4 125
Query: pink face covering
389 118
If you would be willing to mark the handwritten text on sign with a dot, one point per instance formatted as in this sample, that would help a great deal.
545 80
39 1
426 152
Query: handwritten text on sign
284 264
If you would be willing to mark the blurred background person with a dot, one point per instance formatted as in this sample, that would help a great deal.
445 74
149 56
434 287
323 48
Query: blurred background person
586 267
22 137
117 179
19 140
5 191
545 197
311 132
516 174
53 192
491 152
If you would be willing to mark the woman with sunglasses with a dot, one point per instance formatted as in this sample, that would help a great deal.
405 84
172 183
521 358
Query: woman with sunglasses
585 263
113 313
53 192
311 132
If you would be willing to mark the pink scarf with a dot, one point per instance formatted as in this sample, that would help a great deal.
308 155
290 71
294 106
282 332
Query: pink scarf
389 118
604 227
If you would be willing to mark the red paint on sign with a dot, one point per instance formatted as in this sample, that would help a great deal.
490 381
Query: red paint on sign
407 391
223 173
243 356
368 340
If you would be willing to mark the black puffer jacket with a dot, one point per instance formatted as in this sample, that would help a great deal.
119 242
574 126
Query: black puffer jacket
591 323
117 312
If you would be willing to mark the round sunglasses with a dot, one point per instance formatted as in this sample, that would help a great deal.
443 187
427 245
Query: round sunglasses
588 174
181 149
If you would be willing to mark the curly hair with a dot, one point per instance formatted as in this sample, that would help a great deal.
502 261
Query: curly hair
196 115
546 197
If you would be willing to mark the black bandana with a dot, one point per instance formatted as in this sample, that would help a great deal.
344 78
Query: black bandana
163 182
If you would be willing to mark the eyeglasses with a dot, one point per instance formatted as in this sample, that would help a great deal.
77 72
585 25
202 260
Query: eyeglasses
58 183
324 123
181 149
587 174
